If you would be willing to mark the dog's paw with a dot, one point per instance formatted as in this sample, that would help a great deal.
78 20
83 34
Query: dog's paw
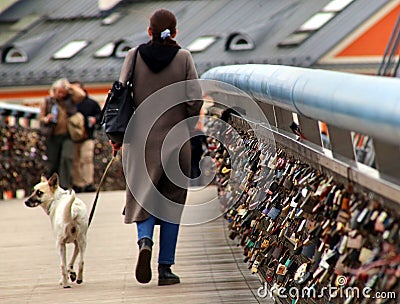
72 276
64 284
79 281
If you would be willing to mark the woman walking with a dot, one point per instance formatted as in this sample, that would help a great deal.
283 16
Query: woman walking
160 63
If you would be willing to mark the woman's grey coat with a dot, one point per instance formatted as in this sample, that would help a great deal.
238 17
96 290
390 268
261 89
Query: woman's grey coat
144 131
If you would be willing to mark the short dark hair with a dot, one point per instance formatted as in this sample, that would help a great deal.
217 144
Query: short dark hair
77 81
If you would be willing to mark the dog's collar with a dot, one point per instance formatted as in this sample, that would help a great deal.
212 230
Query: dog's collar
48 209
56 197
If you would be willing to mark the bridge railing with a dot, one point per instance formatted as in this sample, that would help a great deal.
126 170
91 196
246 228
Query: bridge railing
346 103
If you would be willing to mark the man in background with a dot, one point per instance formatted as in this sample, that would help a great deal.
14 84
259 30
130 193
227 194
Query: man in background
54 113
83 166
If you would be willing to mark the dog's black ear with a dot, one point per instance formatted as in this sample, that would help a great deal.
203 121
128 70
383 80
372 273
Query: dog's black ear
53 181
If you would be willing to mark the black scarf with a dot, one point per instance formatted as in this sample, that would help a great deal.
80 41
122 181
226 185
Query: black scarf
157 56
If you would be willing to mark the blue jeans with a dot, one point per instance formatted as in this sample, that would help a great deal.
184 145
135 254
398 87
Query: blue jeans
168 238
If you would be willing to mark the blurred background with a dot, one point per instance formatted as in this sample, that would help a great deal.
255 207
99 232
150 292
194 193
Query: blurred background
41 41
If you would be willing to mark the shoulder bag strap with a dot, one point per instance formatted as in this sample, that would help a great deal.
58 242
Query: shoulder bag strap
130 78
128 83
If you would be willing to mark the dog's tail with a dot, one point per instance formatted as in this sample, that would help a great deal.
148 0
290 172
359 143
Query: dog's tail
68 208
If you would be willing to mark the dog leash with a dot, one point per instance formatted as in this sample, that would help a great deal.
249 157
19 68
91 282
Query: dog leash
99 187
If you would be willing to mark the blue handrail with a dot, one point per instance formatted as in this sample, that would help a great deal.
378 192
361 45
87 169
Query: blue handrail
361 103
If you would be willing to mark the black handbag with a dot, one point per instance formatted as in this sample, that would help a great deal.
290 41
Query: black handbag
118 108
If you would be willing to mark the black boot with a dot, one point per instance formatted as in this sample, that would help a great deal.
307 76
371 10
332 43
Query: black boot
165 275
143 267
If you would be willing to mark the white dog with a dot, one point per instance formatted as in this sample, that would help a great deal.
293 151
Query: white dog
69 220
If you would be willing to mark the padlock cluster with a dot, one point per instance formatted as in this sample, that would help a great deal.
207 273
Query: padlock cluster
300 228
22 154
23 157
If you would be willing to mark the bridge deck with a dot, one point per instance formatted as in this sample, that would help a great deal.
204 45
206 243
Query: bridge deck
209 264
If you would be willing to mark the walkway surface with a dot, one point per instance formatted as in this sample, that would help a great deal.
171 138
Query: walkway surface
208 262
